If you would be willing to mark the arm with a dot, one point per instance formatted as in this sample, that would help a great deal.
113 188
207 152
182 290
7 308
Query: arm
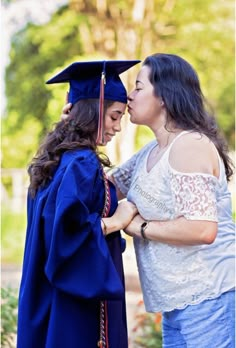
119 194
179 231
123 175
194 198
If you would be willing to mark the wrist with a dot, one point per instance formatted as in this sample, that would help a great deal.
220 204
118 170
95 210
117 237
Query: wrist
111 225
104 227
143 228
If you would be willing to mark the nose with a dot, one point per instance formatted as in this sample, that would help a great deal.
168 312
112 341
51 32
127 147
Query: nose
117 126
130 96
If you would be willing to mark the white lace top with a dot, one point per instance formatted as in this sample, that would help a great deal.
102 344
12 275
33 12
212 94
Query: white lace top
173 276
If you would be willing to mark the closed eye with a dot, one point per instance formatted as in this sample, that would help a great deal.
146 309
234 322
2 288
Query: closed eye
115 115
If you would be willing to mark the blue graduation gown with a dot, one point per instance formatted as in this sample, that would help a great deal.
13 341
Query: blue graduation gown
68 264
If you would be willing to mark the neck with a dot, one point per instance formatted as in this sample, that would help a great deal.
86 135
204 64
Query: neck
165 136
164 133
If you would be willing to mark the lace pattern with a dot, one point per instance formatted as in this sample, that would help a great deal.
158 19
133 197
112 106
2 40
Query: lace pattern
186 280
124 174
194 195
122 179
170 276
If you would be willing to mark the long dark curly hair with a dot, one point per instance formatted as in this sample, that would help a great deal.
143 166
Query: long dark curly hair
78 131
177 84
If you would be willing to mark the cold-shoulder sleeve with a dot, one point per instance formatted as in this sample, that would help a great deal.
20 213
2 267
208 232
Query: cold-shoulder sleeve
78 258
194 195
124 174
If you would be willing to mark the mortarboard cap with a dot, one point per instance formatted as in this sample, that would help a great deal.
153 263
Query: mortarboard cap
95 79
85 77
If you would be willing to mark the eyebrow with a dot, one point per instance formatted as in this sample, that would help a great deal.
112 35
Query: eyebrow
138 81
117 111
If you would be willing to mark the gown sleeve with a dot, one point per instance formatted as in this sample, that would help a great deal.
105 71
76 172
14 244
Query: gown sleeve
78 260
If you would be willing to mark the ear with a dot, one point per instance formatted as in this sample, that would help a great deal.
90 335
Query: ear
162 103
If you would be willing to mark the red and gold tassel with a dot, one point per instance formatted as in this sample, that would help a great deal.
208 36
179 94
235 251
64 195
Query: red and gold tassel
100 134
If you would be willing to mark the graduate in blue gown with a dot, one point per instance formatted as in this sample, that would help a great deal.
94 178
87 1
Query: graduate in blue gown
72 291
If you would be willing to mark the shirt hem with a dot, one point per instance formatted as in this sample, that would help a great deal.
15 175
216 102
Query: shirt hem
181 307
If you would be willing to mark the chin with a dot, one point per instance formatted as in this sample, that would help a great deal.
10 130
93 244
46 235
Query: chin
132 119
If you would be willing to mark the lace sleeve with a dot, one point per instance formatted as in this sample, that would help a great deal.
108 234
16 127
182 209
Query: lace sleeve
123 175
194 196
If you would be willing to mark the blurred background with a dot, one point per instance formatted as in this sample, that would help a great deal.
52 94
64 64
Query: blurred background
40 38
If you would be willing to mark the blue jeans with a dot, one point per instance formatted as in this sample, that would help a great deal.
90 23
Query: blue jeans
210 324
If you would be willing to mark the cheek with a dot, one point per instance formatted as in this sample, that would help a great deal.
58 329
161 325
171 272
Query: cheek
150 105
143 112
107 123
143 108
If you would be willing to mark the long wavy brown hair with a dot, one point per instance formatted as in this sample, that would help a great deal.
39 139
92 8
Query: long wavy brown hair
78 131
177 83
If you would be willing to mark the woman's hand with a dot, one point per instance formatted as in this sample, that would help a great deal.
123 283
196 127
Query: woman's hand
66 111
122 217
124 213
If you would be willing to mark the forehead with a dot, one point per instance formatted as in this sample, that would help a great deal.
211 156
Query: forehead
117 107
143 75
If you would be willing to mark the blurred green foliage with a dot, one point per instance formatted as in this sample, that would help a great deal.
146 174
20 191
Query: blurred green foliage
9 303
201 31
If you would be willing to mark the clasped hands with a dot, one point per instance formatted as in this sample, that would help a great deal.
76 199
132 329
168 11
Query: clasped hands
132 220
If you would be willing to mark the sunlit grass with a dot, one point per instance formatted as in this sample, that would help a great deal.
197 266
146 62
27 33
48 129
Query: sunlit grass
13 227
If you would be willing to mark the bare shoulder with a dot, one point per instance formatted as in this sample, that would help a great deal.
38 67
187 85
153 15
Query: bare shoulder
194 152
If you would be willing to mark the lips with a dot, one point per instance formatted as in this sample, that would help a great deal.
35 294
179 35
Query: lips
109 136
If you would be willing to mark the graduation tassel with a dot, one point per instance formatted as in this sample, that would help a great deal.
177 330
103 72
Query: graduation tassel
100 134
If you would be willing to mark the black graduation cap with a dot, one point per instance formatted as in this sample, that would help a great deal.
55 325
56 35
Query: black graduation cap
95 79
